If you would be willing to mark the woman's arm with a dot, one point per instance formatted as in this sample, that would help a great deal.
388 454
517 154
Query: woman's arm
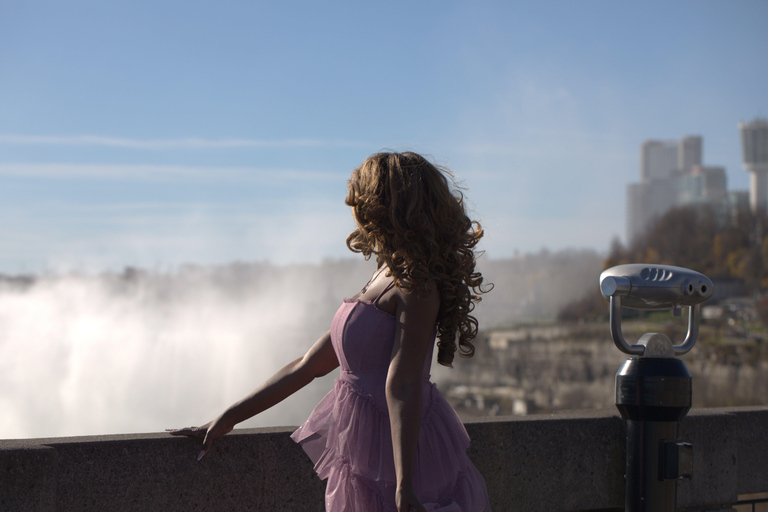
415 317
318 361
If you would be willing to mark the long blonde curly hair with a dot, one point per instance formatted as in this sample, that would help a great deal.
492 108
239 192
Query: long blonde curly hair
415 222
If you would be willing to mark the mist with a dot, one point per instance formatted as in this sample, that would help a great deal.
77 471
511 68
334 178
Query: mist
141 351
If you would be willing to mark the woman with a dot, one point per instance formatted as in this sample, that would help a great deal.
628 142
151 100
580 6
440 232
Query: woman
384 437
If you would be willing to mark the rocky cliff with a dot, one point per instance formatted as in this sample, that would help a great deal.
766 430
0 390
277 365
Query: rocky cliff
544 368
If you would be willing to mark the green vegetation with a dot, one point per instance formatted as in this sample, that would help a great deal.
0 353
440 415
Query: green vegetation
717 243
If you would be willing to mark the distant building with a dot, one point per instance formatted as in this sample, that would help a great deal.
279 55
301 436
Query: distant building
689 153
702 184
727 288
754 147
647 201
672 174
658 159
663 165
738 200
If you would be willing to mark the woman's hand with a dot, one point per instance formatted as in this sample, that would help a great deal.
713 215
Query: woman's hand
320 360
207 433
406 501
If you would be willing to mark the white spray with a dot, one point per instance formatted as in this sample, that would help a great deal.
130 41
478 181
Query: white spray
142 352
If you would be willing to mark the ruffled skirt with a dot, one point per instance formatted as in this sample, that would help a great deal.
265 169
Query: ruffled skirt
348 438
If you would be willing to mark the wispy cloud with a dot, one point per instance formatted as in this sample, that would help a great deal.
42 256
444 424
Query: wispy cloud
557 149
179 143
151 172
97 237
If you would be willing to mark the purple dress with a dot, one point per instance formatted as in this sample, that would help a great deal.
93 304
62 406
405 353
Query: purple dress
348 434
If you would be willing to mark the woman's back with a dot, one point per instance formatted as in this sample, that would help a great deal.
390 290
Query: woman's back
348 435
384 437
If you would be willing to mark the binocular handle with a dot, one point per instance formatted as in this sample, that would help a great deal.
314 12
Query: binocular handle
639 350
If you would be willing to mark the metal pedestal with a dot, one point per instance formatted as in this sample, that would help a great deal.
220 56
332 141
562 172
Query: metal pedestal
653 387
653 395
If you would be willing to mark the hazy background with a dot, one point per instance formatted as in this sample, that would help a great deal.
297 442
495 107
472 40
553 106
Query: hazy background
180 137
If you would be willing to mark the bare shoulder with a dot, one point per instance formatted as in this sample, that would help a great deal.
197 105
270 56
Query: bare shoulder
422 302
416 317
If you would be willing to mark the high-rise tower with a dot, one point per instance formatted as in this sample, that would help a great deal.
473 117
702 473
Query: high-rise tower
689 153
663 165
754 146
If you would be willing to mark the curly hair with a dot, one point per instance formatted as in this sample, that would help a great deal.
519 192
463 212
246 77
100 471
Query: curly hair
410 217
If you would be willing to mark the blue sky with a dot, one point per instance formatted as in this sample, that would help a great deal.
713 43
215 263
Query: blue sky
157 133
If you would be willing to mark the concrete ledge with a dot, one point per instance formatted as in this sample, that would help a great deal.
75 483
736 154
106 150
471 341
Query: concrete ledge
559 462
250 469
751 436
29 477
715 454
570 461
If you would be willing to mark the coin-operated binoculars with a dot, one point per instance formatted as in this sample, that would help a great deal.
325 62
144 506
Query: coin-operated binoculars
653 386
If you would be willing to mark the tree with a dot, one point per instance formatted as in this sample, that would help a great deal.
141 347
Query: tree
699 237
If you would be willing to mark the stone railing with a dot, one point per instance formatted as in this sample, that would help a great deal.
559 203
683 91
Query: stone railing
558 462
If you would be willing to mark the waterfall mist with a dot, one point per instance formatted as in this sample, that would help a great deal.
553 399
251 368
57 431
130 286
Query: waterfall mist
141 351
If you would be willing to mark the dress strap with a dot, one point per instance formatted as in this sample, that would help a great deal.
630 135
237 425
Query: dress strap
385 290
373 277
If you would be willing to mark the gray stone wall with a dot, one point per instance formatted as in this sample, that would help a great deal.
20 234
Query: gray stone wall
553 462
